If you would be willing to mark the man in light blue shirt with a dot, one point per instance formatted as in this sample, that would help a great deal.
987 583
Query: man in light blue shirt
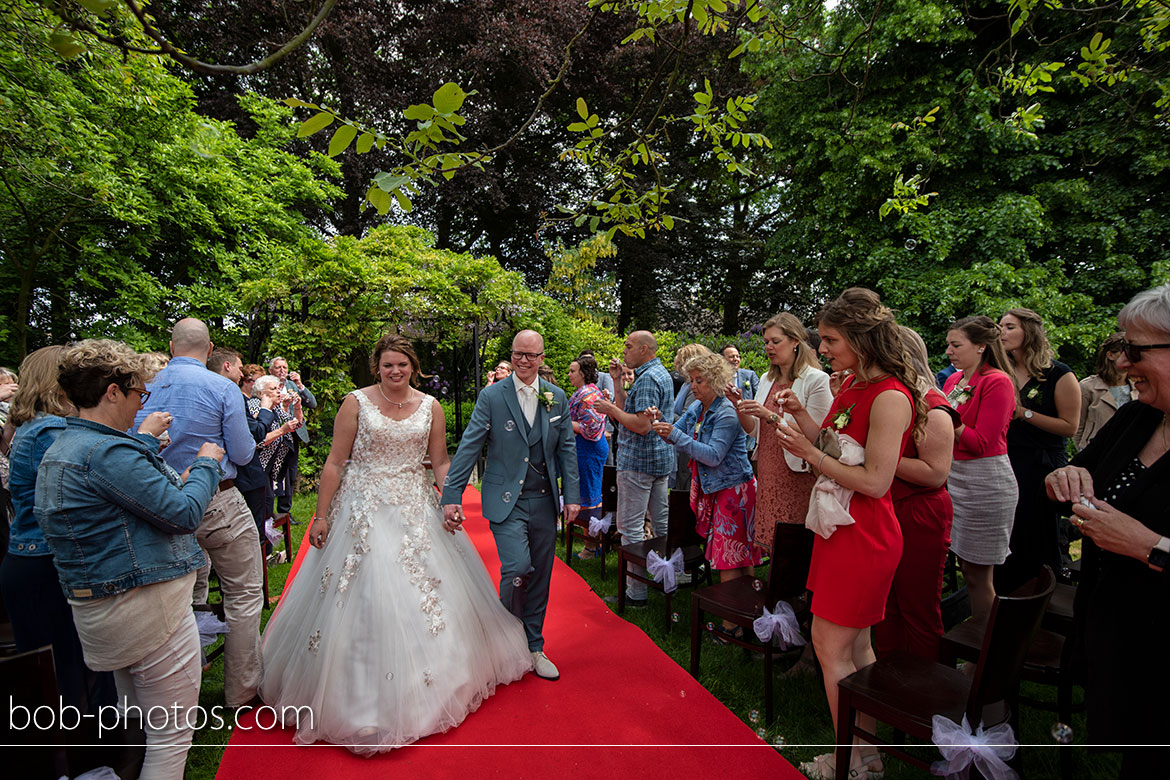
206 407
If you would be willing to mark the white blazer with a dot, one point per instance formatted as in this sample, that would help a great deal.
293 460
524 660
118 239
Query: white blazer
812 390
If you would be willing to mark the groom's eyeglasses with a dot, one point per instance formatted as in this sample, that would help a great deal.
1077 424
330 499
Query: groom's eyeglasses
1133 352
529 356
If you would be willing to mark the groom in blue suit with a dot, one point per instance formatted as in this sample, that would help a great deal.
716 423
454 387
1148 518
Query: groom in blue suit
530 446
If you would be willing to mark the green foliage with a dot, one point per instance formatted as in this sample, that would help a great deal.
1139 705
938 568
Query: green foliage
355 290
575 284
123 208
436 125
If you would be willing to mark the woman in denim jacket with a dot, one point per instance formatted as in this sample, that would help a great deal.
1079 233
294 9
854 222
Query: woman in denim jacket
121 527
28 579
723 488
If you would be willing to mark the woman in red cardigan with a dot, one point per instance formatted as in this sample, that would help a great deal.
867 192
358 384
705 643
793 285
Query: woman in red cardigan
981 483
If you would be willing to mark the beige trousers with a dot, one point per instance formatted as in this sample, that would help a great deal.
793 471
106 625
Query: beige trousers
228 536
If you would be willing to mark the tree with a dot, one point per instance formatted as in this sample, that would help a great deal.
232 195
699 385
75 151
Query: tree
1068 218
120 206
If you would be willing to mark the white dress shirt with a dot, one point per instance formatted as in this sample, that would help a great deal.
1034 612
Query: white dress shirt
526 395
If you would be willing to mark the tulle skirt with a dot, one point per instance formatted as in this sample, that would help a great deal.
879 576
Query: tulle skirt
392 632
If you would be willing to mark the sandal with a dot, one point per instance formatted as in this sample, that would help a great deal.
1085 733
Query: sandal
588 554
824 767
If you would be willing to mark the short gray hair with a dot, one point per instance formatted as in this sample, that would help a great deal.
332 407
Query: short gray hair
1150 308
265 382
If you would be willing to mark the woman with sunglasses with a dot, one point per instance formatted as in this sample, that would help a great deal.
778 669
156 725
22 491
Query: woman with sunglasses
121 525
1048 409
1118 488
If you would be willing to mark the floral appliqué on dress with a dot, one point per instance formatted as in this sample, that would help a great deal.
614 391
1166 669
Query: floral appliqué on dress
376 482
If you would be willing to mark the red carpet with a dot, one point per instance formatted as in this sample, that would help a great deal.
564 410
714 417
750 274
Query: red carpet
621 706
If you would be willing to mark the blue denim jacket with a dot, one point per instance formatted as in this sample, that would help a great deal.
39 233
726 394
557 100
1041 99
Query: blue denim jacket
28 447
720 450
114 514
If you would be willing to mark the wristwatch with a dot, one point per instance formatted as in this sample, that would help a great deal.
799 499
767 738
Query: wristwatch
1028 413
1159 557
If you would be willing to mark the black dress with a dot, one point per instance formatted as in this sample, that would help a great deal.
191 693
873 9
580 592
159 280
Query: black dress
1122 604
1034 454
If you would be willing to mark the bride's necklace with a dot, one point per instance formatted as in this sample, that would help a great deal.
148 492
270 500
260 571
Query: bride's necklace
399 405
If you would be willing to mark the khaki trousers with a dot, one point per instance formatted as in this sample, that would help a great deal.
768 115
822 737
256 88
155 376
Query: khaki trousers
229 537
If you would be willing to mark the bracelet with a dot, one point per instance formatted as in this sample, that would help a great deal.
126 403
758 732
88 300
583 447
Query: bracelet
822 460
772 420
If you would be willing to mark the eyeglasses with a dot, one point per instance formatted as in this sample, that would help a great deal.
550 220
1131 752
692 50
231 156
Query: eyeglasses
529 356
143 393
1133 352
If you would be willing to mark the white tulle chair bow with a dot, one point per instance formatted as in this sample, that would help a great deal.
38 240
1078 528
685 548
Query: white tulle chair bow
963 748
210 627
600 525
275 537
665 570
781 625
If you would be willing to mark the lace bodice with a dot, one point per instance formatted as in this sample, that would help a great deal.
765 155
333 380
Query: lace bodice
386 463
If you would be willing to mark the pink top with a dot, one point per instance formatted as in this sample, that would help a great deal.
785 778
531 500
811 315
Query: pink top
985 415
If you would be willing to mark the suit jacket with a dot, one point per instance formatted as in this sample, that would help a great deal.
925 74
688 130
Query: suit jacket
498 421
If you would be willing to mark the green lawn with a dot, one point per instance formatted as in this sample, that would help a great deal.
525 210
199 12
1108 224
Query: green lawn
732 675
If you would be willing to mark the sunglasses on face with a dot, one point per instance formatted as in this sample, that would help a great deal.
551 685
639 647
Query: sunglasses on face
1133 352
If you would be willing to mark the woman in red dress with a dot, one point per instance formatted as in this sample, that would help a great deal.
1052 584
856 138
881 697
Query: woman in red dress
852 570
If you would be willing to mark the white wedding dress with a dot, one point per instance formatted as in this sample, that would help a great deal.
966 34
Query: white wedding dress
394 630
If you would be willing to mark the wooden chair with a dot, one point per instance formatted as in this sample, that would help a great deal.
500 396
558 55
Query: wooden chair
742 600
906 691
285 526
579 529
1048 661
680 534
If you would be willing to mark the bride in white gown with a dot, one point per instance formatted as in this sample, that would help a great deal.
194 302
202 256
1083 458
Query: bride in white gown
392 628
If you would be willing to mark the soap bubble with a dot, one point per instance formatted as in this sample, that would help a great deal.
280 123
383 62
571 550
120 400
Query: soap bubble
762 733
757 585
779 742
754 716
674 617
205 139
911 243
1062 733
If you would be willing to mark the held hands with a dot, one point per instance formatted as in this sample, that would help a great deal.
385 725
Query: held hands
1069 483
789 402
1113 530
453 517
156 423
209 450
793 440
319 531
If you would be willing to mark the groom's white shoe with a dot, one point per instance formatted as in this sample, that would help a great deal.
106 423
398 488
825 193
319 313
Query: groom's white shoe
543 667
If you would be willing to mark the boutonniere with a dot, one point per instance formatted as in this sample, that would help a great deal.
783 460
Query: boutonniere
548 399
842 418
1031 394
959 396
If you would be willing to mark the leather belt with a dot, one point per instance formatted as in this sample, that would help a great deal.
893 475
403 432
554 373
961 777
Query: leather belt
227 483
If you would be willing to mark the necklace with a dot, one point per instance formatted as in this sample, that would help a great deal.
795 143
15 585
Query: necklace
399 405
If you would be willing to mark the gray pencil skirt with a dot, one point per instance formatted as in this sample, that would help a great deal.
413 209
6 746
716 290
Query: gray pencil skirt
984 493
